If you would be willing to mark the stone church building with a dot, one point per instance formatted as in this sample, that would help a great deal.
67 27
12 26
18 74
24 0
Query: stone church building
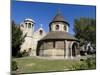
31 37
57 43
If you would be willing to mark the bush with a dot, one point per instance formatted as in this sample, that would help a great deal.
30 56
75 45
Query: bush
85 64
24 53
14 66
19 54
82 53
79 66
81 59
91 62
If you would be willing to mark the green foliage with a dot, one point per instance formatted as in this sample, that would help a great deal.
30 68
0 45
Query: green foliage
17 39
85 64
91 62
85 29
14 66
79 66
23 54
35 64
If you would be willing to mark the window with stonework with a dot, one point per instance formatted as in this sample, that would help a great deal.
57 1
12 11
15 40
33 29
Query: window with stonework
29 25
65 28
57 27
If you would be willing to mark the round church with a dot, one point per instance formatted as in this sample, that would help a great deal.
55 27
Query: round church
58 42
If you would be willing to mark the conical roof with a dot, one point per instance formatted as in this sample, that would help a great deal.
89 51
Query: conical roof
59 18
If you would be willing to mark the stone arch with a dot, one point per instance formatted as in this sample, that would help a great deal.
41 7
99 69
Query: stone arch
74 48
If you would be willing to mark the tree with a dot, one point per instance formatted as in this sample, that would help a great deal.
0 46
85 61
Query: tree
17 39
14 65
85 30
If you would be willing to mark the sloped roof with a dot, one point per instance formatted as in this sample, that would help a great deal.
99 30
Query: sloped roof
59 18
58 35
28 19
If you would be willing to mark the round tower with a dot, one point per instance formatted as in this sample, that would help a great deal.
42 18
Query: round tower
27 28
59 23
58 42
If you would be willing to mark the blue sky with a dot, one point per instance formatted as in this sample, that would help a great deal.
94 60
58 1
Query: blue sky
43 13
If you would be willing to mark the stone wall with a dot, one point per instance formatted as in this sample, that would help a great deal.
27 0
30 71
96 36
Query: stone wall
52 52
54 48
61 26
59 45
27 44
61 48
31 38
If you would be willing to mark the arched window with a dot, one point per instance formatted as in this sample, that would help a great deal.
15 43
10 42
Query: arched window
26 24
57 27
75 49
29 25
65 28
40 32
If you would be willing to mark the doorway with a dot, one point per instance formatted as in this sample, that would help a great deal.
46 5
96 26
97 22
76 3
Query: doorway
74 48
